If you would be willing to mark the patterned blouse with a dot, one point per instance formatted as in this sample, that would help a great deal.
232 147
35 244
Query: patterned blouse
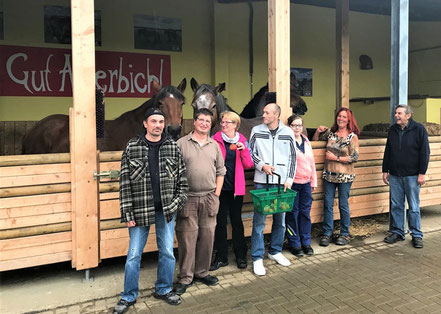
338 171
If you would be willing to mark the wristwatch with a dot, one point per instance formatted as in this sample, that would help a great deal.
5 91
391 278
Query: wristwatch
338 157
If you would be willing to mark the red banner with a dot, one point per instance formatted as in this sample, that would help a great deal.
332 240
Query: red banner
34 71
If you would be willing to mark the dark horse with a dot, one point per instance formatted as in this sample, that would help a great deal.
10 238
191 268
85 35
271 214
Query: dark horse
209 97
255 107
51 135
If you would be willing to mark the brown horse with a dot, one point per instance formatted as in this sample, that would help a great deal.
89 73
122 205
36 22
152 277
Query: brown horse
209 97
51 134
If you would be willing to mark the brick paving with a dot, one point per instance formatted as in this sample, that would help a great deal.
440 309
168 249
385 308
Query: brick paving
370 278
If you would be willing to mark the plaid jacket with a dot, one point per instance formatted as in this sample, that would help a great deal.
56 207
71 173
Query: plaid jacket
135 190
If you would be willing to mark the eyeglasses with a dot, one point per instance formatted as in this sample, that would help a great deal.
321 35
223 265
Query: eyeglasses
227 122
200 120
296 126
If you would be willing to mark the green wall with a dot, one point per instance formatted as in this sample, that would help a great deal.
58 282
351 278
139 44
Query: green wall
215 49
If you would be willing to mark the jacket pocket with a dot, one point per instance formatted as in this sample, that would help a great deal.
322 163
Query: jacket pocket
171 168
137 169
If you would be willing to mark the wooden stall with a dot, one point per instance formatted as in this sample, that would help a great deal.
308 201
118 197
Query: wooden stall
36 215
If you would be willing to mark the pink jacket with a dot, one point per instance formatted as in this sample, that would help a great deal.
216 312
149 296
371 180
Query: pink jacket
243 161
305 165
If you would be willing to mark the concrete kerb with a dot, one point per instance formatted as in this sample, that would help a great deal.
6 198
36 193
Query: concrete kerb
47 291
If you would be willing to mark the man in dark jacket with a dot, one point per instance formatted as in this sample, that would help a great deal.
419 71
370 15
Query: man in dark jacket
405 163
153 188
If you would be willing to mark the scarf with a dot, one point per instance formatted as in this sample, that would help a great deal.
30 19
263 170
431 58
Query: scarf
233 140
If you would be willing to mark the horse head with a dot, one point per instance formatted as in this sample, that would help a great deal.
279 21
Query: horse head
209 97
170 100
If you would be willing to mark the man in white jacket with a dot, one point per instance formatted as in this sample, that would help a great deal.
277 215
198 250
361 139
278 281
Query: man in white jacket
273 150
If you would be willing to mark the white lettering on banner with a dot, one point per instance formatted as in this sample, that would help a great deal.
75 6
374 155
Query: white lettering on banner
37 80
9 63
66 70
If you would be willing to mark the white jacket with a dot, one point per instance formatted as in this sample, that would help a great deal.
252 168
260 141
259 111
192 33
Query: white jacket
278 152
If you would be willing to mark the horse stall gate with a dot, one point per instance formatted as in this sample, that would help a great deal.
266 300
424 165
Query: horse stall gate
36 206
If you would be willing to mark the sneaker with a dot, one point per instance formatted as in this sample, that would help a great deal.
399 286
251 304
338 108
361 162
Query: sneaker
122 306
280 259
258 268
392 238
307 249
417 242
325 240
342 240
170 297
297 251
217 263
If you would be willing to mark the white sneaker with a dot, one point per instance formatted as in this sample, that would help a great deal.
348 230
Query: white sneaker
258 268
280 259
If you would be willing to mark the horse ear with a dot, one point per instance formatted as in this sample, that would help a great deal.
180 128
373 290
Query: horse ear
181 87
220 88
156 86
194 84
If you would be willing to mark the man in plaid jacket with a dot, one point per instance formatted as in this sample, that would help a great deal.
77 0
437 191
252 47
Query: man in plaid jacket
153 188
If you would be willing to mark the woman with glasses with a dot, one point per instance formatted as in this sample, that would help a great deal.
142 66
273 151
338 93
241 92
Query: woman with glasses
237 158
298 221
341 154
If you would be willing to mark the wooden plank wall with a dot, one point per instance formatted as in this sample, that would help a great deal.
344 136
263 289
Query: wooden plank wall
35 210
35 203
11 134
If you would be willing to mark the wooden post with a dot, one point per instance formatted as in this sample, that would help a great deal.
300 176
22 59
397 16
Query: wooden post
279 54
83 137
342 45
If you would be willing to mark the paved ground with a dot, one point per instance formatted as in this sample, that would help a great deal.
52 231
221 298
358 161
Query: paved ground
367 276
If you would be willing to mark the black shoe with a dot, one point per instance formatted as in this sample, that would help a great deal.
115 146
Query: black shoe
342 240
392 238
241 263
307 249
325 240
180 288
122 306
297 251
208 280
217 263
171 297
417 242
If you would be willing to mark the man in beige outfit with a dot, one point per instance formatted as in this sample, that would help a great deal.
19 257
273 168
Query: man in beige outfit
196 223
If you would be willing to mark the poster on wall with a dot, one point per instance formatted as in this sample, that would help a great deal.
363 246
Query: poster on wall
302 79
1 21
157 33
57 25
36 71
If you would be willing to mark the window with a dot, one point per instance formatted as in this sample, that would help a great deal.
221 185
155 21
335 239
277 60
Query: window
157 33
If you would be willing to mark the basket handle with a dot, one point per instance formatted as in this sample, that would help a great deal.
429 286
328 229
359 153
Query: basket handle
267 182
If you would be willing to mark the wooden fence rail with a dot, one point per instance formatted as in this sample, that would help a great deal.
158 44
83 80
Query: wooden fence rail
36 210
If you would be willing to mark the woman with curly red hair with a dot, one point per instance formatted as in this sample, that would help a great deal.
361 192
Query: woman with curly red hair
339 173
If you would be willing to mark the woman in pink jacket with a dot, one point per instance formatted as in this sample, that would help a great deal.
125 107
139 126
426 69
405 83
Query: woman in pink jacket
237 158
298 221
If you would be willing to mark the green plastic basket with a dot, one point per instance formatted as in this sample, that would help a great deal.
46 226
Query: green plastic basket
272 200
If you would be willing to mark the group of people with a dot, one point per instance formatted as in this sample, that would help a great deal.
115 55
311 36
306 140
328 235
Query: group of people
191 186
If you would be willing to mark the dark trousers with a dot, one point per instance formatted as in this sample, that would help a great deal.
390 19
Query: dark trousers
230 205
298 221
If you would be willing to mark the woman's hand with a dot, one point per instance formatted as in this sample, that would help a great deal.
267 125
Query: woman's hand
331 156
240 146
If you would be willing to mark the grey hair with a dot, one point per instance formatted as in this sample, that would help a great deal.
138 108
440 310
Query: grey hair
408 109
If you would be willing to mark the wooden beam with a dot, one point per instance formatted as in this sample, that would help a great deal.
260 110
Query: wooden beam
342 45
279 54
83 137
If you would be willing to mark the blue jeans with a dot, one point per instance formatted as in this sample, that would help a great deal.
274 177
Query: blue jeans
400 187
298 221
166 259
343 206
277 231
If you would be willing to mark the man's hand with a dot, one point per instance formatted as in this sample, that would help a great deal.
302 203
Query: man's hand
268 169
131 223
421 179
386 178
287 186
